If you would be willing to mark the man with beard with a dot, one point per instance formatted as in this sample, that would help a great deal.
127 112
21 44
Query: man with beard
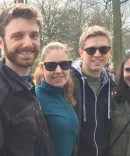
23 130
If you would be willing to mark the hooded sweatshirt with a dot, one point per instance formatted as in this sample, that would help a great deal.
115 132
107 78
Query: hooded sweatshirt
93 111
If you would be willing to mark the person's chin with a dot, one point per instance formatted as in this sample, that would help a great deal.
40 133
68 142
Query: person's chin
97 69
59 84
26 63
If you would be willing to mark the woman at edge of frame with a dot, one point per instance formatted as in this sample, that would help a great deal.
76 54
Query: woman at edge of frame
120 110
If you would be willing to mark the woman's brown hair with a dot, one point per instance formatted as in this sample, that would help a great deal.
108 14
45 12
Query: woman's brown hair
123 91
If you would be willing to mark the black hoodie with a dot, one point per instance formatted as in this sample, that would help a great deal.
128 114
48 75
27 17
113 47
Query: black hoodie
93 112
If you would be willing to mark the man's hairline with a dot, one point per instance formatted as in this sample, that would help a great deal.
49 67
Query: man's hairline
87 37
4 32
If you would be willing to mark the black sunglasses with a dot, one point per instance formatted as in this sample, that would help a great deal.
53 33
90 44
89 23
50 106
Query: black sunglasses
127 69
51 66
92 50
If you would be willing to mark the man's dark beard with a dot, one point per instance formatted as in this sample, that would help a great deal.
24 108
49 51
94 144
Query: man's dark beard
12 58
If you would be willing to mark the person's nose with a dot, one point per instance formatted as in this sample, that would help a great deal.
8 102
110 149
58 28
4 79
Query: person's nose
58 69
27 42
97 53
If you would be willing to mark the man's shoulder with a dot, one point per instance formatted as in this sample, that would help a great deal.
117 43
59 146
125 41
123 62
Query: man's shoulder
76 72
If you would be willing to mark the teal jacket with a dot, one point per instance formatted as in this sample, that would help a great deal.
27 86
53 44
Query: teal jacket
63 121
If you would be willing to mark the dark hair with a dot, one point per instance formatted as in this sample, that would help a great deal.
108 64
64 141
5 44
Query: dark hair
18 10
123 91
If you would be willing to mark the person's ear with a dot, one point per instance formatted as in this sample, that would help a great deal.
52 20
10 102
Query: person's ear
80 52
1 43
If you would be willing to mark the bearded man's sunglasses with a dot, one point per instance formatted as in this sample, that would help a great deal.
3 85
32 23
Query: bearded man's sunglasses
92 50
51 66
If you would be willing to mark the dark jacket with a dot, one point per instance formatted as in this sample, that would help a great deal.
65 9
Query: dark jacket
120 114
93 112
23 130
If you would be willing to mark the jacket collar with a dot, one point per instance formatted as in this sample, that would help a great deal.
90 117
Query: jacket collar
14 79
76 67
51 90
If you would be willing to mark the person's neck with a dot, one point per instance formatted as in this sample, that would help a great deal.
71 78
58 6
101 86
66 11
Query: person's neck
21 71
94 74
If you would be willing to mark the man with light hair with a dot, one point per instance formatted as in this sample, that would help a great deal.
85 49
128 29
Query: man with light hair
92 91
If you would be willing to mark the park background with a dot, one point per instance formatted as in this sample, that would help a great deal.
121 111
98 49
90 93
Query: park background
64 20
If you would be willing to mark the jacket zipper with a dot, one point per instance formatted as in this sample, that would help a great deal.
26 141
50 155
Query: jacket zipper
96 116
95 125
41 117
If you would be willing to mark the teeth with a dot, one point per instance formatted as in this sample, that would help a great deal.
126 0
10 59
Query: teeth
97 61
25 53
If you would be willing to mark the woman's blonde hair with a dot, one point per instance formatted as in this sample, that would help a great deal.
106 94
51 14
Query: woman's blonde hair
68 87
37 76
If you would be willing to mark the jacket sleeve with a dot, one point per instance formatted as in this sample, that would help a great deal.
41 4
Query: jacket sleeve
1 138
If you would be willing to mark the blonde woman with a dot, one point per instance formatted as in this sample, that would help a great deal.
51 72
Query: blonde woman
55 96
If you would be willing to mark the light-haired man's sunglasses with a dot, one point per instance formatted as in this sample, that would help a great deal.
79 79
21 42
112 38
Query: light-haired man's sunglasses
92 50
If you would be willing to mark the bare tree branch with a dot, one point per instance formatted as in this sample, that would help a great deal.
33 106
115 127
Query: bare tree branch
107 3
123 1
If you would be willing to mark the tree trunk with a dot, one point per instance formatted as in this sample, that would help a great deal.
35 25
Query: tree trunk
21 1
117 33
